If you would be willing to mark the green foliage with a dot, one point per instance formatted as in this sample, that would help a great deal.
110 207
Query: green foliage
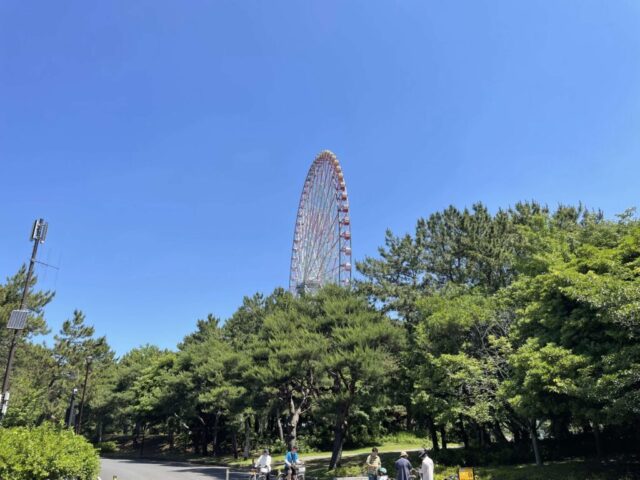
46 453
353 471
106 447
516 319
488 329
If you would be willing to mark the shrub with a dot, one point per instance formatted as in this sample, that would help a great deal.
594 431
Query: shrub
352 471
107 447
46 453
278 447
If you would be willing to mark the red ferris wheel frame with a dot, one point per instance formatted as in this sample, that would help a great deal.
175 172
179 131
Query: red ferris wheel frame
321 251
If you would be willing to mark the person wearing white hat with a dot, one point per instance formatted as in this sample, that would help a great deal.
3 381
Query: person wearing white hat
426 466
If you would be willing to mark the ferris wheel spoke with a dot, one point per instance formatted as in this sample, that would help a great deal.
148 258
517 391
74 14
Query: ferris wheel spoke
321 245
330 250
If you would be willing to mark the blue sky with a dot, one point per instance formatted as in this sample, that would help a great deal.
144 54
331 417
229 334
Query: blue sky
167 142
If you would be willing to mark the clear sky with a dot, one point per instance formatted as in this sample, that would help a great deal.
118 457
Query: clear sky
166 142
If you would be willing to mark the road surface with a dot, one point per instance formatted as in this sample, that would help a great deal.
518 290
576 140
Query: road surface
148 470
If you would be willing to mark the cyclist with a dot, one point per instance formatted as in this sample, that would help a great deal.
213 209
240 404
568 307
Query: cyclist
291 459
264 462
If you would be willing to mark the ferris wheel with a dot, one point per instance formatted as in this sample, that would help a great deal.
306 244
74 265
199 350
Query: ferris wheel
321 252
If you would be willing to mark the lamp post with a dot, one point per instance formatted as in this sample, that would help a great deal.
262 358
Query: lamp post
18 318
84 392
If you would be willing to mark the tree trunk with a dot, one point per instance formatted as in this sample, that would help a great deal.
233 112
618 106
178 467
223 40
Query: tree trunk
481 436
261 426
443 437
100 431
433 432
205 440
596 437
517 431
533 431
216 429
560 428
234 443
497 432
339 432
292 424
280 431
463 433
136 434
142 442
247 438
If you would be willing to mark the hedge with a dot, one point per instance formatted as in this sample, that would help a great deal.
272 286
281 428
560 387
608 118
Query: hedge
46 453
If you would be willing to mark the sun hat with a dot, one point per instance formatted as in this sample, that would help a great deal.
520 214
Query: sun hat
403 454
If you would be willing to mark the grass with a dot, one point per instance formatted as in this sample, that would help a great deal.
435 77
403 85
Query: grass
569 470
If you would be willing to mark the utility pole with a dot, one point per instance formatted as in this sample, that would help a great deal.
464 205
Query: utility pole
18 318
84 391
71 414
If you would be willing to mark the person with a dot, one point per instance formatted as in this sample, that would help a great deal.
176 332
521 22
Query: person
373 464
290 461
426 467
403 467
264 462
382 474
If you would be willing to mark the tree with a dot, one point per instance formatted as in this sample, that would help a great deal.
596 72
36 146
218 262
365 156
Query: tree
287 360
73 347
362 343
208 365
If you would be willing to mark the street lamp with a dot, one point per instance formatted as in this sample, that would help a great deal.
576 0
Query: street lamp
18 318
84 392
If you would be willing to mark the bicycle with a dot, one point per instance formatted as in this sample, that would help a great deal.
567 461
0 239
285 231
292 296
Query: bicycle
298 472
258 473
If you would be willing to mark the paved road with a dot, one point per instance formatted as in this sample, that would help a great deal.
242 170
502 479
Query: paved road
148 470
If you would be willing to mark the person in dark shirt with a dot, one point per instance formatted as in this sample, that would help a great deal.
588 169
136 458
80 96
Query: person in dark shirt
403 467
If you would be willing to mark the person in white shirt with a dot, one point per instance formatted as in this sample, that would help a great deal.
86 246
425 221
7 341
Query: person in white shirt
264 462
426 466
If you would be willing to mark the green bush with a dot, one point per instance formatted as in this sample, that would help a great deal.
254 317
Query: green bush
353 471
46 453
278 447
106 447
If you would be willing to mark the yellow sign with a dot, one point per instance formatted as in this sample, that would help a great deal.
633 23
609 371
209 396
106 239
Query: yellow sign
465 474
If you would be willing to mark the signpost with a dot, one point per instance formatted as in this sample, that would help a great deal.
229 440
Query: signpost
465 473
